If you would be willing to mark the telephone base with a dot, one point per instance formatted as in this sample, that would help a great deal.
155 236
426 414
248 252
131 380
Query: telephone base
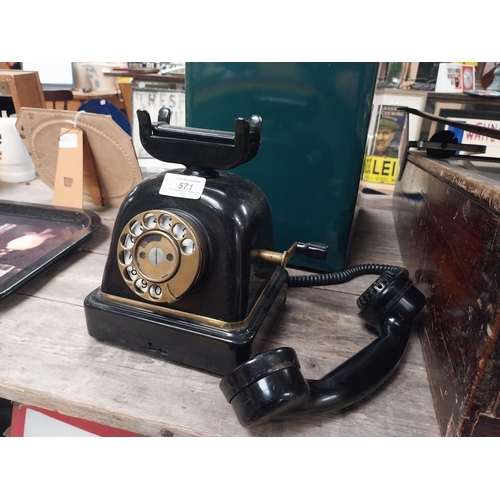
206 347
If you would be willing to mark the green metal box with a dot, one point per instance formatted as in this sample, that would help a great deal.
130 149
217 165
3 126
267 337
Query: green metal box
315 120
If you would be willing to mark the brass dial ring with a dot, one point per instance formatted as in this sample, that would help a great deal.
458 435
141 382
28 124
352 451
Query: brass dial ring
159 255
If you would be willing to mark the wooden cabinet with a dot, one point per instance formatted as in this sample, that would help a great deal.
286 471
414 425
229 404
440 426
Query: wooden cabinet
448 226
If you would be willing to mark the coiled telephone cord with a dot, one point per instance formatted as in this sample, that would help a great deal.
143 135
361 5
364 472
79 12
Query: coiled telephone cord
341 276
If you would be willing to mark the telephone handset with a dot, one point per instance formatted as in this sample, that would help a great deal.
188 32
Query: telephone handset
193 276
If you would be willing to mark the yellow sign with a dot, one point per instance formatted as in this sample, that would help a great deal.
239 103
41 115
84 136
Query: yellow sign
380 169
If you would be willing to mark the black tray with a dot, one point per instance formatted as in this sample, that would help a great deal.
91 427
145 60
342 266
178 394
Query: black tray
33 236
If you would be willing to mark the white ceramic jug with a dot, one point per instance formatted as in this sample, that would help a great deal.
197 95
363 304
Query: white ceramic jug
15 162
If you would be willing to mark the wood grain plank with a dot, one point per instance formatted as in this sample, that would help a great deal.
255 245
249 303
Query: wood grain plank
68 280
70 372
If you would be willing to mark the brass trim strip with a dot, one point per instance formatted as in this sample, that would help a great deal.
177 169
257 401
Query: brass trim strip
223 325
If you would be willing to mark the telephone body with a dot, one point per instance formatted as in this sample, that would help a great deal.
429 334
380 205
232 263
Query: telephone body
181 280
193 277
204 270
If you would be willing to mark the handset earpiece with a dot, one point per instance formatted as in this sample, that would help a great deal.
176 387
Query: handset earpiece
271 385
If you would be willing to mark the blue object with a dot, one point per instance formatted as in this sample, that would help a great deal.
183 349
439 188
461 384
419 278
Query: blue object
103 107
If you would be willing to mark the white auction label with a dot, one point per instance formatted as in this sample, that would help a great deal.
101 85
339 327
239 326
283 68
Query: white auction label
183 186
68 140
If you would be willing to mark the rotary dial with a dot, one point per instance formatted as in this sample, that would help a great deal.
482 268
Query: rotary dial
159 255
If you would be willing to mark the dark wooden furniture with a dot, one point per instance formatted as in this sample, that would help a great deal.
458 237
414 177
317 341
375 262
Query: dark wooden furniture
53 97
447 221
149 77
434 98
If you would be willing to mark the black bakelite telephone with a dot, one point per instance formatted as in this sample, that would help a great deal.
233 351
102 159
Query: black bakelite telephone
192 276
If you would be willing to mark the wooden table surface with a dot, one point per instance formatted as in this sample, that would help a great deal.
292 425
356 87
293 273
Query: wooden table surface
47 358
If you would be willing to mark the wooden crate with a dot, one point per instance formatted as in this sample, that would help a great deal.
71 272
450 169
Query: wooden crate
448 226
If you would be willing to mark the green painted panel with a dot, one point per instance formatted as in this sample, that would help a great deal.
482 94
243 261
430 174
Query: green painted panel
315 120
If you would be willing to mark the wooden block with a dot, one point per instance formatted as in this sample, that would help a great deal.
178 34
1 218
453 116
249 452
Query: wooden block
25 88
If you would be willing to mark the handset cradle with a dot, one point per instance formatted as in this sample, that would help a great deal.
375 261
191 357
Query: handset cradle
200 149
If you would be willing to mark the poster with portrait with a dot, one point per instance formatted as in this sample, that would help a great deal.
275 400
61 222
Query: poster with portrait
382 161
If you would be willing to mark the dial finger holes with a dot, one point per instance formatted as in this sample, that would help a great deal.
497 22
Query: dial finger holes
150 221
179 231
155 291
126 258
128 241
131 273
141 285
156 247
165 221
136 228
187 246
